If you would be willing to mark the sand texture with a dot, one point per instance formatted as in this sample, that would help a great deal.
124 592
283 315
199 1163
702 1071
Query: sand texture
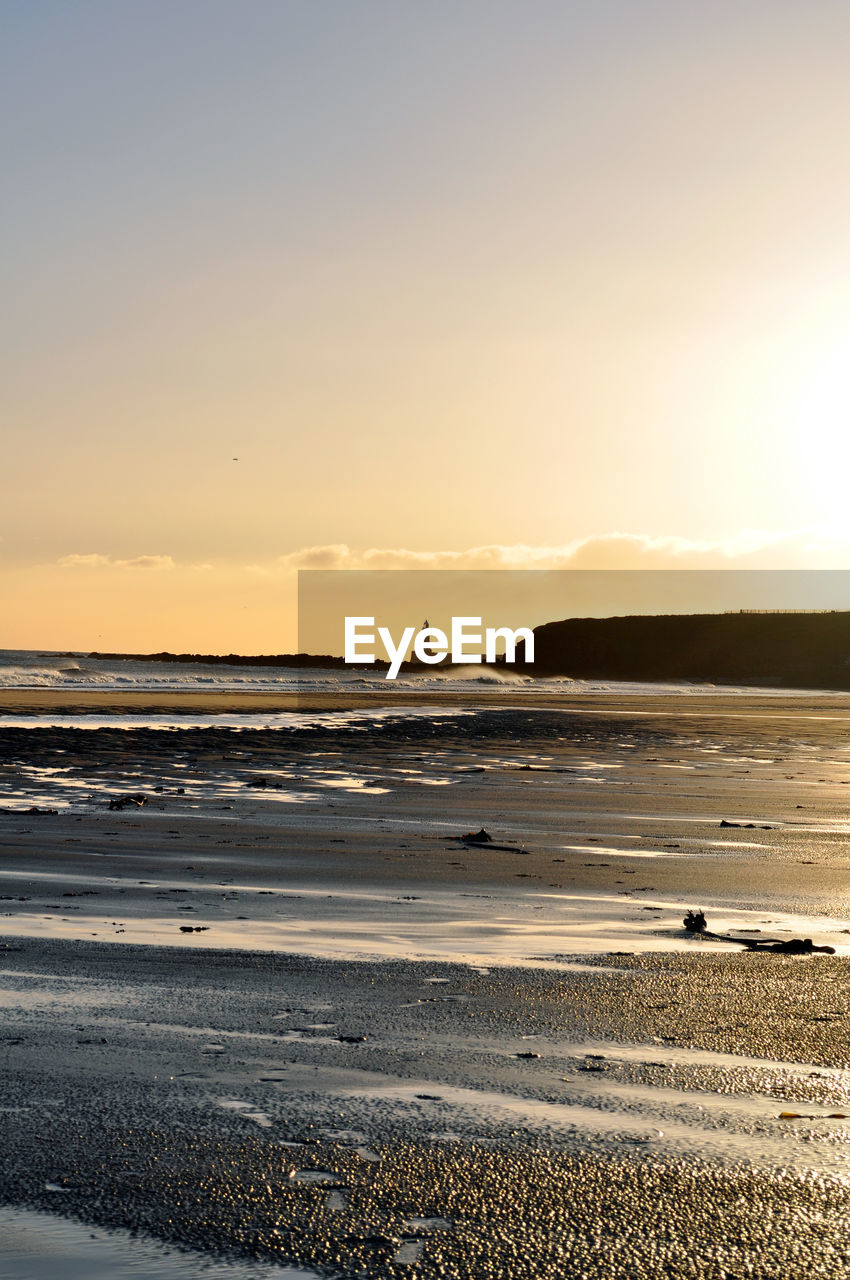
381 1051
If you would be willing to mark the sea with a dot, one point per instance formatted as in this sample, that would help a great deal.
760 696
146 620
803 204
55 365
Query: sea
79 672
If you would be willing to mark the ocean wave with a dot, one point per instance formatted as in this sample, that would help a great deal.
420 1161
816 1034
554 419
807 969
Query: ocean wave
20 669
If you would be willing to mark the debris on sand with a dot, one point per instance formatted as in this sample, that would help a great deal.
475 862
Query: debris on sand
31 812
791 947
477 837
133 800
695 922
194 928
806 1115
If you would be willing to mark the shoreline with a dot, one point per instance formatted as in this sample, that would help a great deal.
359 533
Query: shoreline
697 700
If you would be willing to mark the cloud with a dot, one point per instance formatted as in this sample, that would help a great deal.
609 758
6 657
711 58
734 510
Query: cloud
752 548
333 556
95 561
749 549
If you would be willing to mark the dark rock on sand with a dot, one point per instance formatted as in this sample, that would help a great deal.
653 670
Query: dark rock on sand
134 800
477 837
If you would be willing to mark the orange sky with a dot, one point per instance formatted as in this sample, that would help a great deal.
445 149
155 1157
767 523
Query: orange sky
514 285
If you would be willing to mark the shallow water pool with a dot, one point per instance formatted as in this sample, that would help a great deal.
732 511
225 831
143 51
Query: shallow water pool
40 1246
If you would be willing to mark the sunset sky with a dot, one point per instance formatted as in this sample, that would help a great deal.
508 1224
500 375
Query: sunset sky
379 284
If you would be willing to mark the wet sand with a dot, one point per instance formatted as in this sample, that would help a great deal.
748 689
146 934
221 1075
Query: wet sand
627 807
358 1117
498 1091
713 700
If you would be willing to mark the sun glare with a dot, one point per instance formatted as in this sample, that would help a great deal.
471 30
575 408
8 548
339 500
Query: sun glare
821 417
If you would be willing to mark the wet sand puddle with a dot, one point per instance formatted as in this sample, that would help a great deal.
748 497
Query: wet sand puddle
284 721
240 774
494 927
40 1246
605 1116
73 788
34 991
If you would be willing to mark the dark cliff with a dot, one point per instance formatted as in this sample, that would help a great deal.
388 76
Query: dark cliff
796 649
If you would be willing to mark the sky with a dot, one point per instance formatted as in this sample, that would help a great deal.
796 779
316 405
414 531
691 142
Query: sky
370 284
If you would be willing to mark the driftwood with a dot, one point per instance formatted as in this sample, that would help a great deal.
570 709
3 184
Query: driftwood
695 922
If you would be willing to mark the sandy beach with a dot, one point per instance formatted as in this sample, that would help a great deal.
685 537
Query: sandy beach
281 1012
425 641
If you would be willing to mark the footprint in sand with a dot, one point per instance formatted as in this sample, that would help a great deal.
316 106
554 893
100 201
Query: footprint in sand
408 1253
348 1136
314 1175
246 1110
